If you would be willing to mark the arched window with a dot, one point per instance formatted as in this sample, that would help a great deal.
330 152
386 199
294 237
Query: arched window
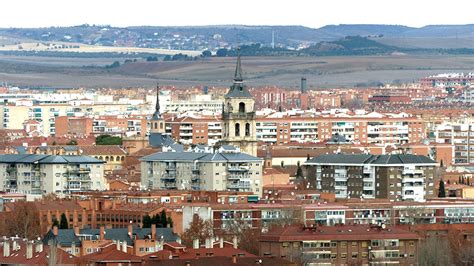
229 107
161 125
237 129
122 158
247 129
107 158
101 158
241 107
111 158
156 125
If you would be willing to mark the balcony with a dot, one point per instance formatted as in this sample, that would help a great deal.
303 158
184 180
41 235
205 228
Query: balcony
243 116
238 169
238 185
78 171
169 185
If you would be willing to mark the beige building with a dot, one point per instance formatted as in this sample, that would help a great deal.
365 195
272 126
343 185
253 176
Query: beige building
222 171
38 174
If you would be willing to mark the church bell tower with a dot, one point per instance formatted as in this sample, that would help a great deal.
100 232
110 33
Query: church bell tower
238 115
157 123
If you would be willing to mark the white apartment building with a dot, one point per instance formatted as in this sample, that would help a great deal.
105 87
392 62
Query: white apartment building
38 174
221 171
461 136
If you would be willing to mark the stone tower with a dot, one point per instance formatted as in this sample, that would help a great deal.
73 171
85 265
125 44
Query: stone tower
157 123
238 115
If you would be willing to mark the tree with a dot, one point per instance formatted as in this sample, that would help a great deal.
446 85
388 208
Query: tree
430 254
147 221
22 220
170 222
63 224
167 58
151 58
442 190
198 229
108 140
113 65
206 53
222 52
163 219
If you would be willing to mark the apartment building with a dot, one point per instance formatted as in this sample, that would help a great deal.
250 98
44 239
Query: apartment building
195 130
281 128
342 245
13 116
394 177
112 125
226 170
37 174
461 137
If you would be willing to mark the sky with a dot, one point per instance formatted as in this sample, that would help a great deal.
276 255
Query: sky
316 13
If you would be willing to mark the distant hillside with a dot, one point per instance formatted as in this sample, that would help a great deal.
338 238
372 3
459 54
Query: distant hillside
351 45
228 36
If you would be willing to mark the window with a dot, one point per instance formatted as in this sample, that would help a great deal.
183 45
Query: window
412 243
355 255
354 243
364 255
343 255
241 107
364 244
237 129
247 129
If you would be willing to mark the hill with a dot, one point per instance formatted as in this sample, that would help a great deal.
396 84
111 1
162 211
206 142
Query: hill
213 37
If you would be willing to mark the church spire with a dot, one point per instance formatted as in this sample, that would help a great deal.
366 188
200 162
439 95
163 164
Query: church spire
238 69
157 114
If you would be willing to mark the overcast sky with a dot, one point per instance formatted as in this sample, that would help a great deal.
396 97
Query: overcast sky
311 13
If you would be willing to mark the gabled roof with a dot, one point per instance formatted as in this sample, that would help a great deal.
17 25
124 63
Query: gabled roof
48 159
199 156
157 140
66 237
371 159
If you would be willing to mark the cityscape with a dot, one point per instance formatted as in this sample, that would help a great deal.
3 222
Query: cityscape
237 142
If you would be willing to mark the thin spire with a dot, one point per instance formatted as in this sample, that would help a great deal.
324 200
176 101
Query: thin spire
238 68
156 114
157 107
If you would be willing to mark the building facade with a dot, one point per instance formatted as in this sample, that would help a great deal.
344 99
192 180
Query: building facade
232 171
394 177
37 174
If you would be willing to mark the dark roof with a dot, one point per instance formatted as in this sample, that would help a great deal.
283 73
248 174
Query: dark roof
200 156
157 140
370 159
238 90
66 237
47 159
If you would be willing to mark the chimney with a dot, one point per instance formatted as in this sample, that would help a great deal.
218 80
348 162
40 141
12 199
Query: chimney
6 248
153 231
14 245
29 250
234 259
196 243
124 246
102 233
55 230
39 246
221 242
234 242
130 230
76 230
208 243
187 263
118 245
73 248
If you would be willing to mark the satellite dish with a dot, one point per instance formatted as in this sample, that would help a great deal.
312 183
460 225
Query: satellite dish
383 226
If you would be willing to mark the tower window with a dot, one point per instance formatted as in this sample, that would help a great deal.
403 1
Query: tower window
247 129
237 129
156 125
161 125
241 107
